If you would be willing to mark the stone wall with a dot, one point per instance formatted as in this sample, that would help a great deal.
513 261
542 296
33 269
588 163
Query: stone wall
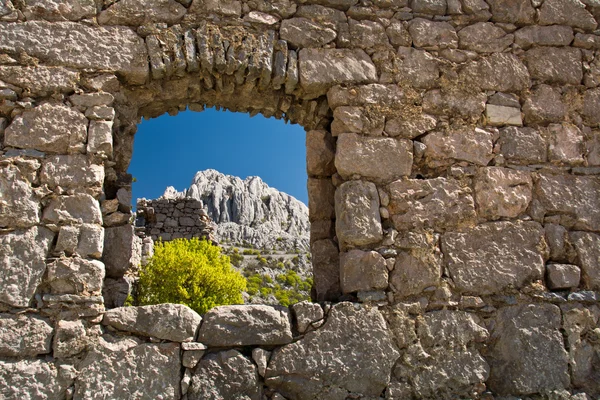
453 154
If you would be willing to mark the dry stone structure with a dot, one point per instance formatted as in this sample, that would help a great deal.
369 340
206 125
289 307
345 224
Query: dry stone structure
453 148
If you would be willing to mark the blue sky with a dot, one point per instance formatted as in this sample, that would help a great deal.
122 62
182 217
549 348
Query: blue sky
168 151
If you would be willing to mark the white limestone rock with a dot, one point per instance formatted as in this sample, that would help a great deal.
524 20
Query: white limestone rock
566 144
570 12
70 339
231 8
466 144
306 313
40 80
554 35
432 35
79 208
302 32
484 37
24 336
502 192
362 271
32 379
500 115
140 12
503 72
122 250
410 128
358 221
75 276
461 103
71 171
20 202
417 68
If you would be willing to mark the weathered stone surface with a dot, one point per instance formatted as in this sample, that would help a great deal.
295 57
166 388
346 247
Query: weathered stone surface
591 106
592 147
19 202
54 10
321 194
500 115
52 128
527 353
24 336
373 158
122 250
491 257
100 138
23 259
484 37
116 290
71 171
562 276
70 339
438 204
433 7
40 80
430 35
73 209
519 12
465 104
544 36
31 379
174 322
302 32
232 8
574 199
148 371
398 34
418 264
326 269
474 146
367 34
225 375
357 213
410 128
115 49
75 276
544 106
587 246
322 68
502 192
140 12
306 313
348 119
502 72
561 66
417 68
522 145
362 271
245 326
566 144
566 12
327 363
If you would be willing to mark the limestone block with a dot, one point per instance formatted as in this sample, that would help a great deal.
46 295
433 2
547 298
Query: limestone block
491 257
512 11
373 158
115 49
503 72
544 36
587 246
527 354
474 146
449 329
146 369
54 10
73 209
566 12
592 147
591 106
122 250
433 7
410 128
320 230
174 322
91 241
24 336
321 193
322 68
68 236
116 290
100 139
326 269
562 276
40 80
225 375
306 313
51 128
70 339
544 105
566 144
23 257
502 192
367 34
339 4
349 119
363 95
320 153
484 37
88 100
464 104
231 8
430 35
398 34
100 113
352 352
358 222
560 66
321 13
140 12
556 238
245 326
573 198
261 358
75 276
30 379
302 32
19 203
500 115
437 204
192 353
418 264
522 145
71 171
417 68
362 271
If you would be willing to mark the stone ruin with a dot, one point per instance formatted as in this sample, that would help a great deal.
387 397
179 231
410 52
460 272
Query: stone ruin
453 151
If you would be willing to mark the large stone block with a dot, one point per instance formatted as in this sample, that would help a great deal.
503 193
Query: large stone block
587 246
24 336
59 10
23 260
377 159
51 128
544 36
40 80
560 66
502 192
438 204
367 34
140 12
71 171
326 269
245 326
464 144
461 103
348 119
79 208
19 204
431 35
567 12
231 8
523 145
527 354
32 379
544 105
75 276
70 338
512 11
362 271
115 49
302 32
566 144
358 222
321 194
352 352
492 257
484 37
320 153
503 72
417 68
122 250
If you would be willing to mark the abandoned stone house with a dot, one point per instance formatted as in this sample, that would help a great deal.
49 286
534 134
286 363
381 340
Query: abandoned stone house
453 152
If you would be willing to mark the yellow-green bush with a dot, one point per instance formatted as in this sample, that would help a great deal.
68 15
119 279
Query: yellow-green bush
191 272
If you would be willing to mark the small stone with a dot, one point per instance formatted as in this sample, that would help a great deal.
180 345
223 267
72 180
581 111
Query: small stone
519 12
306 313
562 276
122 250
192 353
500 116
302 32
70 339
367 34
261 358
100 140
430 35
24 336
357 213
417 68
410 128
502 192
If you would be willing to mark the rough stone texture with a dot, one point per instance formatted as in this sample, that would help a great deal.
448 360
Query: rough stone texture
544 106
222 7
503 72
566 144
302 32
306 313
500 115
523 145
375 159
67 44
19 203
528 354
431 35
417 68
474 146
561 66
136 12
563 276
122 250
75 276
356 120
225 375
362 271
544 36
52 128
245 326
53 10
411 128
502 192
40 80
321 194
79 208
142 370
492 257
30 379
484 37
76 170
327 363
465 104
512 11
24 336
325 260
357 213
320 153
70 339
587 246
23 258
566 12
174 322
438 204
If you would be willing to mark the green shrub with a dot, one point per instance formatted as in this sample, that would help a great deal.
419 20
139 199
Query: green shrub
191 272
